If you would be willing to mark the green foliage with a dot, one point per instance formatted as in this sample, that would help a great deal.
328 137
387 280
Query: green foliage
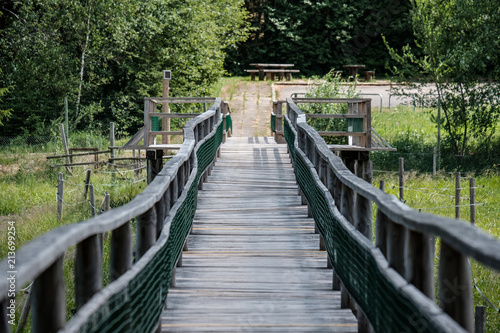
329 86
319 35
107 55
461 48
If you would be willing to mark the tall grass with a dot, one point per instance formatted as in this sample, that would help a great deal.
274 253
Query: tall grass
414 135
28 187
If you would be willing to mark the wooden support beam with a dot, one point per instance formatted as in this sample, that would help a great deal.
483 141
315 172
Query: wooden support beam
88 263
49 304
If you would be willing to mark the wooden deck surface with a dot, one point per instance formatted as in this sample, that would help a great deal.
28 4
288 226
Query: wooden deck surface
253 263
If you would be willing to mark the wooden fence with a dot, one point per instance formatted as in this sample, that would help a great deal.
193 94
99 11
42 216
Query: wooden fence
41 260
403 238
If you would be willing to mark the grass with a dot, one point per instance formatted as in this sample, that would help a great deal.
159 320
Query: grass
28 187
415 135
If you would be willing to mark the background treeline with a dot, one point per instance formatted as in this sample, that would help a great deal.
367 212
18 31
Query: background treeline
320 35
105 56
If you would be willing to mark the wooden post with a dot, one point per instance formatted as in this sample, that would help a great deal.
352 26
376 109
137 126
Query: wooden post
472 195
457 195
401 179
396 242
146 232
88 277
120 251
66 149
92 200
154 160
25 313
107 202
60 196
49 305
87 182
165 106
420 263
434 161
480 319
112 141
455 286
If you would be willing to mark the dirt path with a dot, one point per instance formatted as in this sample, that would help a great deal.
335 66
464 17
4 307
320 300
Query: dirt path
251 107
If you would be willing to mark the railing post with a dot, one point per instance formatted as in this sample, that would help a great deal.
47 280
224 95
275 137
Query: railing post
154 160
455 286
88 263
49 305
381 228
146 232
420 263
396 243
120 251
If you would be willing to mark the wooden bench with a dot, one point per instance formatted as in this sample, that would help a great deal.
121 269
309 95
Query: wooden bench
252 73
369 75
287 73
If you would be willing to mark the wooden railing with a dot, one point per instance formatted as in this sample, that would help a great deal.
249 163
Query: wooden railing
357 109
154 209
404 238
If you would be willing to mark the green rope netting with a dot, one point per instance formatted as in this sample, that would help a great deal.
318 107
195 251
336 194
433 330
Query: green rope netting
138 306
354 259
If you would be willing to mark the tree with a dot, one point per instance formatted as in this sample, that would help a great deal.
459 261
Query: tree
319 35
460 43
107 55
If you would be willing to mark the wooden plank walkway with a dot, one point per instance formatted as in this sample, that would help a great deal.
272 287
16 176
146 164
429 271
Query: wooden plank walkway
253 262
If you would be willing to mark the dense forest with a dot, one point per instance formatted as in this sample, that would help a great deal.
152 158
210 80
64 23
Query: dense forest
105 56
317 36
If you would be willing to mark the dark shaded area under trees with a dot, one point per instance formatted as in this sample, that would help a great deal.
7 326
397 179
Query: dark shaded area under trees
317 36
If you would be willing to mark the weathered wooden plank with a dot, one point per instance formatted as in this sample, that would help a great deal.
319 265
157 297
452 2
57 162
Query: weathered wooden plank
253 261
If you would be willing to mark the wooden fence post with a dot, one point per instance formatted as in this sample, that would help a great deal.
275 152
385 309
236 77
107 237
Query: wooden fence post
472 195
120 251
60 196
112 141
88 277
457 195
146 231
48 296
66 150
480 319
455 286
434 161
92 200
401 179
87 182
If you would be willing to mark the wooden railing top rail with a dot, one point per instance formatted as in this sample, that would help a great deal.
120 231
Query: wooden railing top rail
467 239
36 256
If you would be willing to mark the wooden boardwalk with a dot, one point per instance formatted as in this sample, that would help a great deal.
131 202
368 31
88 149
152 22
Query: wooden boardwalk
253 263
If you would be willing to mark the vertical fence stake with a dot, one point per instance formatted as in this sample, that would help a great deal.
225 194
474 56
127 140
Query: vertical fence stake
92 199
472 195
87 182
60 196
457 195
66 150
401 179
480 319
112 141
434 160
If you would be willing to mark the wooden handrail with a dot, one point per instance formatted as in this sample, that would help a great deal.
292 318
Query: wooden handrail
40 259
405 232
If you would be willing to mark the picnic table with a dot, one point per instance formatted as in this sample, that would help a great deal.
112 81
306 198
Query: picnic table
270 70
353 70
